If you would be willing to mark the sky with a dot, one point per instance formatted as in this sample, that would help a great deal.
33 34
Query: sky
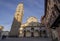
8 8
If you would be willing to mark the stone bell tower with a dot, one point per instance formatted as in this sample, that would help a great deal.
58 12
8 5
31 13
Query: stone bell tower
14 32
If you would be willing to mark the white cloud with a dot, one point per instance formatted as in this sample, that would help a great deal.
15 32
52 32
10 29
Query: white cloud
7 27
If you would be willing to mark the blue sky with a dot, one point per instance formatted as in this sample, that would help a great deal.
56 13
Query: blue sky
8 8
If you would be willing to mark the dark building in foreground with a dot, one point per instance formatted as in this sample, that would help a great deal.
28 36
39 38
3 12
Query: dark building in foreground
51 18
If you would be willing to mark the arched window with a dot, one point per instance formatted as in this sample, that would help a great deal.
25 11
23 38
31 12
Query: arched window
36 30
59 1
56 8
53 14
56 1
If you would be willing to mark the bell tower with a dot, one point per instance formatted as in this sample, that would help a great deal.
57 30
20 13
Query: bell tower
14 32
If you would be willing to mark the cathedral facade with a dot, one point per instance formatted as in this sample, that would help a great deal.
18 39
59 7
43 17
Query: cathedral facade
32 28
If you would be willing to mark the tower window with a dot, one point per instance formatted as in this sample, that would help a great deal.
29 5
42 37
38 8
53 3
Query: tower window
59 1
17 14
56 7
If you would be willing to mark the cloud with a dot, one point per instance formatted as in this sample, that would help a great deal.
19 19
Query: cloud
7 27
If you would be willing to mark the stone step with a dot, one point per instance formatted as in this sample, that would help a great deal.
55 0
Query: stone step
26 39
